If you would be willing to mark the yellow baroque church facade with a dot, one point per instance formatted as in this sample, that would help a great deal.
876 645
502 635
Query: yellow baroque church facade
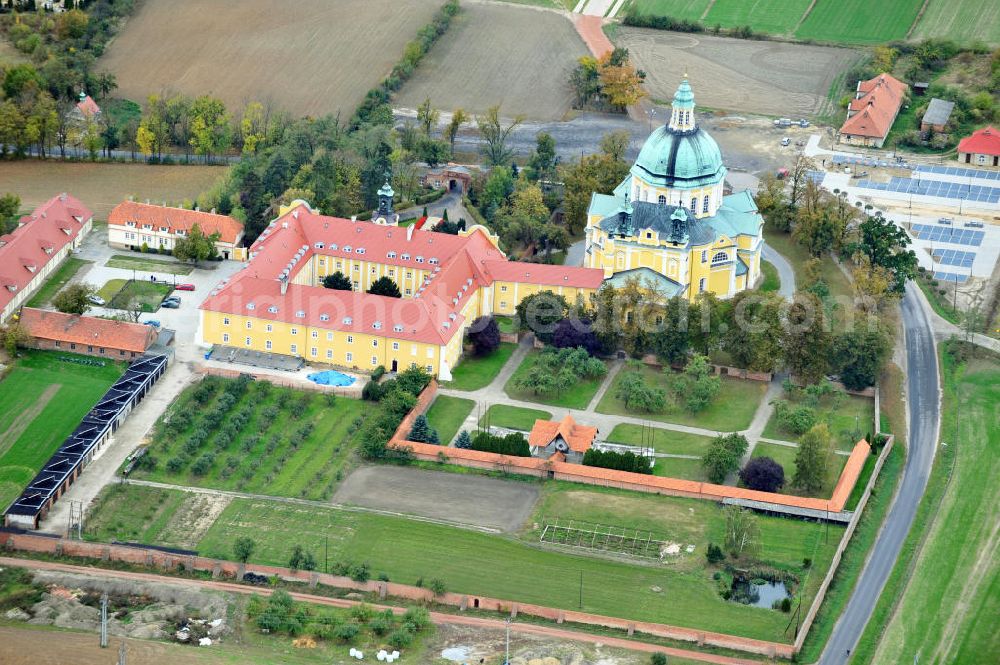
669 223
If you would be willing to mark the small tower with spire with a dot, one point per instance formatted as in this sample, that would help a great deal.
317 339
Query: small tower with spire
385 214
682 114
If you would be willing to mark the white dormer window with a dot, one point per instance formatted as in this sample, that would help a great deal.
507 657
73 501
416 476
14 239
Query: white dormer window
348 321
318 245
377 325
360 250
420 259
397 328
250 305
181 232
300 314
406 257
333 245
391 255
164 229
324 317
272 309
432 261
347 248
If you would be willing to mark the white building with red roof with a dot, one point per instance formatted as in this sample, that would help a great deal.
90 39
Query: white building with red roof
873 110
132 224
980 149
278 304
30 253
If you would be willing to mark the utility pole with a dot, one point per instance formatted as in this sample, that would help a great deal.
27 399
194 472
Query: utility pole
581 589
104 620
506 658
121 653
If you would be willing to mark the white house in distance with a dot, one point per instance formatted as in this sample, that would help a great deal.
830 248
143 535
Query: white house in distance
32 251
132 225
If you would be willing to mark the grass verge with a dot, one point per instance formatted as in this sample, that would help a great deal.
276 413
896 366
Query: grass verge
146 264
475 372
60 278
447 414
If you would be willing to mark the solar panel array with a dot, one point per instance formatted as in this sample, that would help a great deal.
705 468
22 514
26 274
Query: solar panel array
954 257
948 234
948 190
965 173
951 277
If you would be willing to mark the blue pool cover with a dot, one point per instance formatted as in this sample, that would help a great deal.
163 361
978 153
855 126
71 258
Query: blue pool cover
331 378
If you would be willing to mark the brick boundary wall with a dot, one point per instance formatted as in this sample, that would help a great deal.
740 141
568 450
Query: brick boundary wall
844 541
638 482
153 558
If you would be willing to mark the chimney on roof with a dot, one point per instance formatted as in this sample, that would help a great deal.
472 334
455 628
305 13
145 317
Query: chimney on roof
409 232
354 218
147 201
62 197
295 214
213 211
284 284
197 208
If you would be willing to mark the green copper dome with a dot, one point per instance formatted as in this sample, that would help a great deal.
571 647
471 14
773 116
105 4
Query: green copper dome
679 159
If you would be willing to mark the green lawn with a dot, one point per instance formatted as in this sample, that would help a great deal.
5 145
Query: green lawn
660 440
133 513
841 291
689 9
117 292
577 397
942 305
475 372
506 324
447 414
513 417
859 21
774 17
685 469
146 264
732 409
267 455
59 279
42 400
785 456
960 20
852 415
772 282
950 605
472 562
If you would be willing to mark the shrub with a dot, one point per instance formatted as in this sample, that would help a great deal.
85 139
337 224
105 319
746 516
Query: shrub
418 617
203 464
764 474
400 638
346 632
359 572
658 659
437 587
714 554
723 456
175 464
381 625
514 444
372 391
362 612
796 419
484 333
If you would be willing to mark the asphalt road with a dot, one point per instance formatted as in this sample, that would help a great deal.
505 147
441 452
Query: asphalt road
923 407
785 272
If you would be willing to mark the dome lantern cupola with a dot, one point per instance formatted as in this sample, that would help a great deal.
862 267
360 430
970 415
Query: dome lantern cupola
682 113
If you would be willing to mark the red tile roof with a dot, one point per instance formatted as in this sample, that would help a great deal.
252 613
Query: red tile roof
985 141
579 438
90 330
40 236
872 113
456 267
230 230
88 107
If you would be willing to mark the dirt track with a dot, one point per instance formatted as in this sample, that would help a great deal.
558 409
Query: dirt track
765 77
307 57
437 617
486 502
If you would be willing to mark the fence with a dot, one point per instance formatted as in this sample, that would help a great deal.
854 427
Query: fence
718 370
155 558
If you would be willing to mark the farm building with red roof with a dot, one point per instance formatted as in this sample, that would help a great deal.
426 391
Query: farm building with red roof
872 111
980 149
278 304
88 335
34 249
132 225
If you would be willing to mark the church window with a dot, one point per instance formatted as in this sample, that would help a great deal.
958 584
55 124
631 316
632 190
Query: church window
694 205
704 205
701 285
720 257
636 195
662 200
704 256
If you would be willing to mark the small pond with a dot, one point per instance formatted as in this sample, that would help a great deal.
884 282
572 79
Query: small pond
759 593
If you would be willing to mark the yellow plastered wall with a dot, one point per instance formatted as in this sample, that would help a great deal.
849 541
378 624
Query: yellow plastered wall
359 351
508 295
362 272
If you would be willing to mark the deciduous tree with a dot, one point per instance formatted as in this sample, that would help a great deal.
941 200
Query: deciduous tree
763 474
484 333
495 134
195 246
812 459
742 532
74 299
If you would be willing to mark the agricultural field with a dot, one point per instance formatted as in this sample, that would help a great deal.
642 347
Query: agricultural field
961 20
951 601
518 57
736 74
730 411
320 57
858 21
407 551
42 400
259 438
475 372
691 10
775 17
103 186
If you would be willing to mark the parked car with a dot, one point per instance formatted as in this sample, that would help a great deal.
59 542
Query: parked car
803 123
785 141
171 304
152 322
96 300
184 287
